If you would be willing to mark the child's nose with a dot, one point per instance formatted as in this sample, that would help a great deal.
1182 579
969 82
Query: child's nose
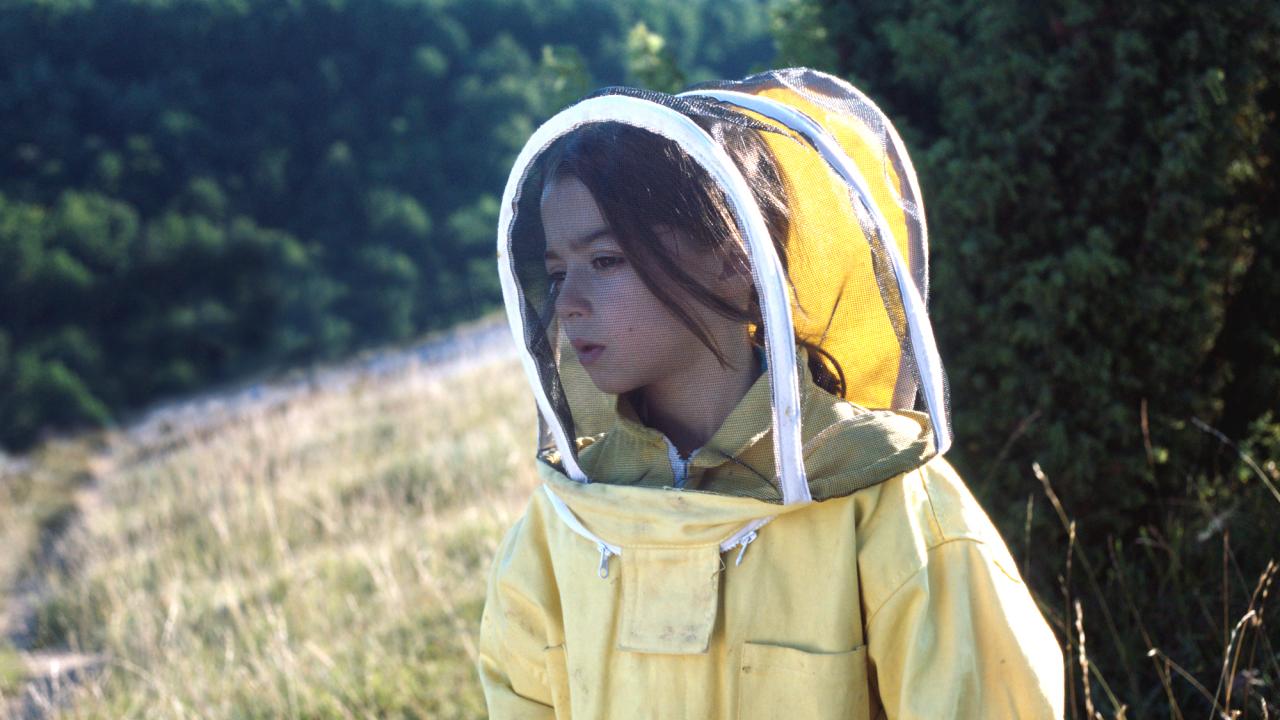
571 302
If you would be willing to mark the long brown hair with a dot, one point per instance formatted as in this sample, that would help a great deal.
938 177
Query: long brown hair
642 181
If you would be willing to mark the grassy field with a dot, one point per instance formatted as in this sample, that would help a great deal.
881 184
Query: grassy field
321 552
324 557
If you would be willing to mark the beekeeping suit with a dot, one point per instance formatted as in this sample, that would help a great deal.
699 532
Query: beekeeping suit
816 557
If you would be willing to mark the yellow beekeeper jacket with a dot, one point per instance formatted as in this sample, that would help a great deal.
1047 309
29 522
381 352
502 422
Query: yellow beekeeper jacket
892 597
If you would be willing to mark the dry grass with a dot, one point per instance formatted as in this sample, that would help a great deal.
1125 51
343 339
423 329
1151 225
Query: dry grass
322 558
326 556
1228 684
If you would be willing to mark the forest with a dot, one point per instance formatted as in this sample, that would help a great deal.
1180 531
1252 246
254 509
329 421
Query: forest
194 191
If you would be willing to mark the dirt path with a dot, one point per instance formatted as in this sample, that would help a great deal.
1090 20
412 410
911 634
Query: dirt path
50 672
51 675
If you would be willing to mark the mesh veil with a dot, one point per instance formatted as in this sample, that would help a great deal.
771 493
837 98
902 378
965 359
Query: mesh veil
761 232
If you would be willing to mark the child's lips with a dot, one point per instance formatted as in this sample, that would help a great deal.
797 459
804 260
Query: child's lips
588 353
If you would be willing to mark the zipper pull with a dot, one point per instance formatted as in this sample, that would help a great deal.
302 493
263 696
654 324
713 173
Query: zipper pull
746 540
605 552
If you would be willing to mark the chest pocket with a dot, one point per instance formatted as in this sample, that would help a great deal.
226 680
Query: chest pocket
778 682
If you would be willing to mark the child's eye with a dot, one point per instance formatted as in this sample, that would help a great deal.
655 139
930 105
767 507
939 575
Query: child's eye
604 262
553 282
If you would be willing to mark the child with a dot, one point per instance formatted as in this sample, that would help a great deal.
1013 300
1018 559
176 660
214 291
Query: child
710 291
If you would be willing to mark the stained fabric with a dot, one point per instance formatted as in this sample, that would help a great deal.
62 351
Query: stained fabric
719 301
899 600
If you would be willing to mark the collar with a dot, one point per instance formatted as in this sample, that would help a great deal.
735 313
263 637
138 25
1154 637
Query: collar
749 421
847 447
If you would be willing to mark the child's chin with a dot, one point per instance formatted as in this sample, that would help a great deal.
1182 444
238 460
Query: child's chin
609 389
605 386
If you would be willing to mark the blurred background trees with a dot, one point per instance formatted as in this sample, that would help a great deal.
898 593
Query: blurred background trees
194 191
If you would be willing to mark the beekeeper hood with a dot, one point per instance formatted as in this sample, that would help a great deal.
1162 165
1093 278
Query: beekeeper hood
844 270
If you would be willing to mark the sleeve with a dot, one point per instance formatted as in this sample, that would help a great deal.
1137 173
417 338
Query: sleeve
512 646
962 638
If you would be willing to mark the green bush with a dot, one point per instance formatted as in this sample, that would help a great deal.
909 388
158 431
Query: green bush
1100 182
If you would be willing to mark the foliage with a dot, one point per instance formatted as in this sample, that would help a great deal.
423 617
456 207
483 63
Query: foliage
651 62
193 191
1100 181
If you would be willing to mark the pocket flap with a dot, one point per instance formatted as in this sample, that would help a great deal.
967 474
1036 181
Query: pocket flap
669 599
777 681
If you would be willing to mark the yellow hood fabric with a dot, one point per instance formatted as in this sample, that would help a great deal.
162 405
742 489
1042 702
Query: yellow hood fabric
897 599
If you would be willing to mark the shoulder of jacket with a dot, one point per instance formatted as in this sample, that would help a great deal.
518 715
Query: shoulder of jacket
900 521
957 514
931 503
524 554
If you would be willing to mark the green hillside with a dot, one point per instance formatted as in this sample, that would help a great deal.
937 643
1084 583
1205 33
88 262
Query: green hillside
191 191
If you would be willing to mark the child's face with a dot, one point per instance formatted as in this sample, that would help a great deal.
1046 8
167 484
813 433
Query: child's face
625 337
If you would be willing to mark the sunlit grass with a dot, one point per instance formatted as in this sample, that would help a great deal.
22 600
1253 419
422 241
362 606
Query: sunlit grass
325 558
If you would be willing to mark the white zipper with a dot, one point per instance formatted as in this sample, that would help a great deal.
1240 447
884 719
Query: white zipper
744 537
740 539
746 540
679 465
576 525
605 552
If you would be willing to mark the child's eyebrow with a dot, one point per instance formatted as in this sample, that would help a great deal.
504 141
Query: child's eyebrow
581 242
